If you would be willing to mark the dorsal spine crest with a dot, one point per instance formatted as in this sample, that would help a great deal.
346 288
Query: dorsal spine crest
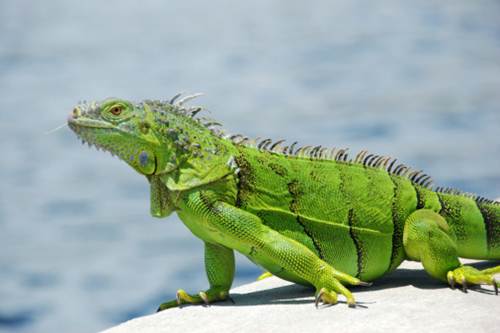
320 153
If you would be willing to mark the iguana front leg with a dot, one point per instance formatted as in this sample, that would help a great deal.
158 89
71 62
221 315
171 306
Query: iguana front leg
219 266
244 232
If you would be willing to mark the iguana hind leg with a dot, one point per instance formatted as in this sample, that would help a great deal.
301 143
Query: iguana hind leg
428 238
219 266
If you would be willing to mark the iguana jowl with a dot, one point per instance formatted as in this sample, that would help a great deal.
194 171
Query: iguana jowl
309 215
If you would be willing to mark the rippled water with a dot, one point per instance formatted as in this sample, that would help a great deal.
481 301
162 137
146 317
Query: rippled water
78 249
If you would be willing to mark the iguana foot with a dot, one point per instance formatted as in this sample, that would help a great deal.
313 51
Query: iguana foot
326 296
329 295
330 284
203 297
466 275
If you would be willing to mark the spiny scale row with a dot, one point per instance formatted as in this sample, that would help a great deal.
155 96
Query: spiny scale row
387 163
341 155
477 198
178 104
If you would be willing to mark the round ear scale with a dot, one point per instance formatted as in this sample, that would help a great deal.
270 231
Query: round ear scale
143 158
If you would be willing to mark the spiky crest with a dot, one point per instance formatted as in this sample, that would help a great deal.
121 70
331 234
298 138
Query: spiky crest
383 162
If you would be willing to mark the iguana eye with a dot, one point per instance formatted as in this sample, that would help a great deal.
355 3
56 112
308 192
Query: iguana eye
116 110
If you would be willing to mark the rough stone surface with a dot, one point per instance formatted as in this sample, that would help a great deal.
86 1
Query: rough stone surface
407 300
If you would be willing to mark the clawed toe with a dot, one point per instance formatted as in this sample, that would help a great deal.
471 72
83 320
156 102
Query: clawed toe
451 279
467 276
365 284
318 297
464 284
167 305
326 296
204 297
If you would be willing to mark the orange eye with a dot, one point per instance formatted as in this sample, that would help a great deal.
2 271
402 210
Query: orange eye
116 110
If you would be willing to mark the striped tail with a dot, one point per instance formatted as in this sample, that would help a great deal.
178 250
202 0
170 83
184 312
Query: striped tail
475 222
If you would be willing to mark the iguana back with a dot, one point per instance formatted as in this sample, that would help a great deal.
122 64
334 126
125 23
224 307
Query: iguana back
349 213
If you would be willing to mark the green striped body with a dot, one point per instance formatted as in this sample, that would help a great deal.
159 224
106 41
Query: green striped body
350 215
309 215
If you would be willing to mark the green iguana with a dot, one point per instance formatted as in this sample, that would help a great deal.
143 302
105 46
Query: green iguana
309 215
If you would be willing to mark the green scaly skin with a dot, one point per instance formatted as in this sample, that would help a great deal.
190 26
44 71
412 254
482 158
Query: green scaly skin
325 222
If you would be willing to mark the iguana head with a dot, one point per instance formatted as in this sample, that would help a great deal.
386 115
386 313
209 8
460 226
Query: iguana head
128 130
157 138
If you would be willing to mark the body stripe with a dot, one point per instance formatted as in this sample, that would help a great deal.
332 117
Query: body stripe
420 200
489 220
316 245
357 243
293 207
397 233
245 178
451 212
444 210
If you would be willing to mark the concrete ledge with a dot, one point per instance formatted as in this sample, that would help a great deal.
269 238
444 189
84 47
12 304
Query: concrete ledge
407 300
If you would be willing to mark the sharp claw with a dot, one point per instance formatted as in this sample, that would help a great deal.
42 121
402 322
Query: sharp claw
159 309
451 281
178 297
318 297
364 284
351 304
204 297
495 285
231 299
464 285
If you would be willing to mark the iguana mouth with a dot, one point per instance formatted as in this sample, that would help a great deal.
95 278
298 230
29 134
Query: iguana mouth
74 123
86 129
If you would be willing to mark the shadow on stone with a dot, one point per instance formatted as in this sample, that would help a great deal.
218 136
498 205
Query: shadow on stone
292 294
297 294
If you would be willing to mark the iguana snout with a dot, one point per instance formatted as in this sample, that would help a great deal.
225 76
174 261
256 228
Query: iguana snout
119 127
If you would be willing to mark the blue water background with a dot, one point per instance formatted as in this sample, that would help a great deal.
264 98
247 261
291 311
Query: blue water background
419 80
